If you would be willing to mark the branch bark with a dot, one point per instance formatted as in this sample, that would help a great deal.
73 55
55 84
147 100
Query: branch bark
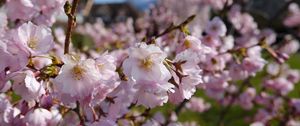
70 12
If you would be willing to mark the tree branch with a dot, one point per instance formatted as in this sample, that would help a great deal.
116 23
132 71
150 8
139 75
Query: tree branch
70 12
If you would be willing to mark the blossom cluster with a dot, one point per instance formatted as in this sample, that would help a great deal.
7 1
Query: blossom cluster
162 58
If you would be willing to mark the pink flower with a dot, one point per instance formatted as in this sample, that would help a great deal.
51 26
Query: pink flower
290 47
293 75
16 57
269 35
211 41
42 12
145 69
194 44
123 96
296 104
236 72
48 11
243 22
215 63
216 84
246 98
273 68
152 93
145 62
42 61
292 19
257 124
5 110
227 43
26 9
77 78
197 105
106 65
37 39
25 85
216 27
263 116
37 117
253 64
187 87
280 84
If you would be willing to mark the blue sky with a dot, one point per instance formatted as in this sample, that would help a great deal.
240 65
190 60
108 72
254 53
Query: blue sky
139 4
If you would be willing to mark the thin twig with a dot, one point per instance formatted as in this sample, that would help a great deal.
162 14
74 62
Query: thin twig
70 12
173 27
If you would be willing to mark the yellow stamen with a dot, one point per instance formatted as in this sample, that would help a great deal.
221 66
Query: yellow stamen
187 44
78 72
146 63
32 43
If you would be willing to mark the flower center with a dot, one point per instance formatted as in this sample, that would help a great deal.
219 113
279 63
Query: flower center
78 72
32 43
146 63
187 44
214 28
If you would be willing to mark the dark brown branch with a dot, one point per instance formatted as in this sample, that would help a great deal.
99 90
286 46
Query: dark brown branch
70 12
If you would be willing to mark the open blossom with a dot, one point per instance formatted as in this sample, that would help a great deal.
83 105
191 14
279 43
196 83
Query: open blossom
290 47
38 117
25 9
243 22
42 12
106 65
216 27
123 97
48 11
194 50
257 124
7 112
16 57
187 85
145 68
37 39
25 85
263 116
253 64
77 77
197 104
152 93
145 62
216 84
246 98
211 41
280 84
193 43
292 19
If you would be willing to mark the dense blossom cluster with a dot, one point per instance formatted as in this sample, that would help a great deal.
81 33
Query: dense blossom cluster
136 66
